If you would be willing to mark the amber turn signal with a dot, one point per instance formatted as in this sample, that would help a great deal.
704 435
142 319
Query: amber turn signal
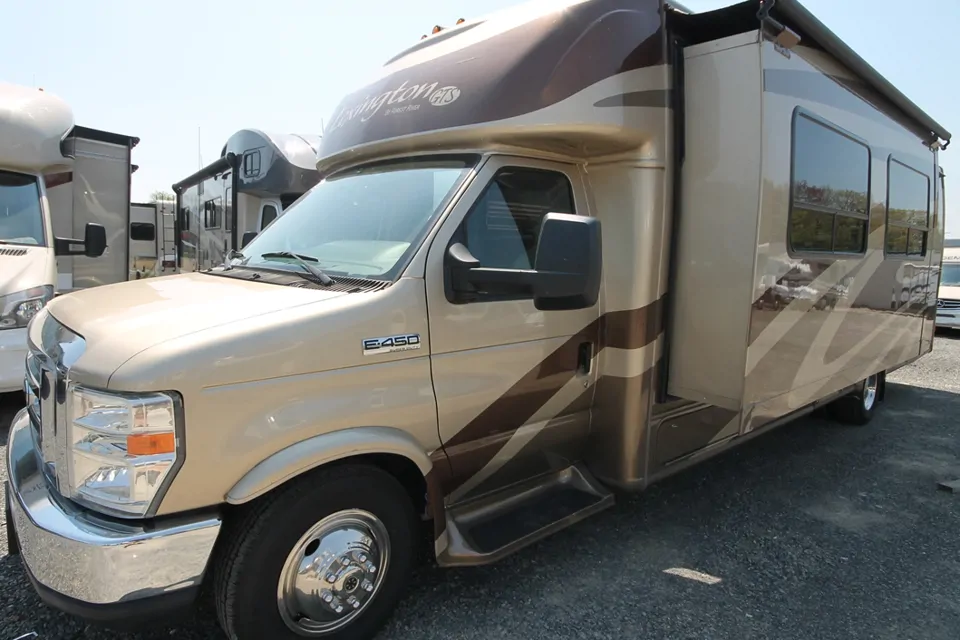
146 444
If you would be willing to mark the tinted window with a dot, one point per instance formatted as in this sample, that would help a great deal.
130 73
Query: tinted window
830 190
251 163
502 228
269 213
908 209
21 220
143 231
212 213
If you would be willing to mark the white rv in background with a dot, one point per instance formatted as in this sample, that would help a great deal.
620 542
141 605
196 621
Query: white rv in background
223 205
948 292
38 155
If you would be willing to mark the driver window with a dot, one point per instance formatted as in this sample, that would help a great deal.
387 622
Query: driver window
502 228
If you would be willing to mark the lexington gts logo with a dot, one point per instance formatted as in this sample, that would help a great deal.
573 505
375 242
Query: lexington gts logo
403 99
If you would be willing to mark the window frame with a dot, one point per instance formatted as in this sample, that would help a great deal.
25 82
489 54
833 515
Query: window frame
143 225
251 169
569 171
906 255
801 112
217 208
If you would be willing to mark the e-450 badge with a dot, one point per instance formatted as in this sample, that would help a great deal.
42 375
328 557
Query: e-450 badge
391 344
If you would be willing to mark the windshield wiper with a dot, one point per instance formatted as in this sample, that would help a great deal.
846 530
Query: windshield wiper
324 279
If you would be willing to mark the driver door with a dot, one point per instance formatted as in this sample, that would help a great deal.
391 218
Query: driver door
514 385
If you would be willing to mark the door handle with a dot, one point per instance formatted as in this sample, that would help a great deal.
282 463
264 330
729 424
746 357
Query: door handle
584 357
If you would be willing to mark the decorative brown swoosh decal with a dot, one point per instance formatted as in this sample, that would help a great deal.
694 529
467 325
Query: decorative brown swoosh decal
629 329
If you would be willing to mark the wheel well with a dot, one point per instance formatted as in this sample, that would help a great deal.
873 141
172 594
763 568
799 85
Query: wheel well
403 469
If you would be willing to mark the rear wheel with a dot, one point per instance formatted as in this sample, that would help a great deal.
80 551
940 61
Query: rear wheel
858 407
326 557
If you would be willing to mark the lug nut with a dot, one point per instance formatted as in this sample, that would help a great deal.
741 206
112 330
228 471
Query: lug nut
327 597
362 557
371 568
331 577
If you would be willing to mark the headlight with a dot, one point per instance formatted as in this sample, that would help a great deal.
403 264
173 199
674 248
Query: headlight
122 449
16 309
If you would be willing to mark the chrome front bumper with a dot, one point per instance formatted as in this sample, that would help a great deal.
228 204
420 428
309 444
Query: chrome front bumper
82 557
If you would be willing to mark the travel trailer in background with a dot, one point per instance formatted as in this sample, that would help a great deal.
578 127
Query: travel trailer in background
257 176
528 280
153 250
41 152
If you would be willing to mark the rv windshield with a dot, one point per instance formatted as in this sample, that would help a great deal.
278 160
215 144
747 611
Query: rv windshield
950 275
363 223
21 218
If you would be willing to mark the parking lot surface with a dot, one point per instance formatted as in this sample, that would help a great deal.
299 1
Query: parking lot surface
815 531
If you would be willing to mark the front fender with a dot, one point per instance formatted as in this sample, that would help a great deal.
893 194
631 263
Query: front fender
323 449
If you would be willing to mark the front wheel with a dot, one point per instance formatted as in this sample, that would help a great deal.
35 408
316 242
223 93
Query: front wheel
326 557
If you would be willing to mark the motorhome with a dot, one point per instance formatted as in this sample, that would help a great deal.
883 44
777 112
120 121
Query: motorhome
40 153
257 176
525 283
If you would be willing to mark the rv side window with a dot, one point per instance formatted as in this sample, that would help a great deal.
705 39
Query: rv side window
829 185
143 231
908 210
228 205
502 228
251 163
211 214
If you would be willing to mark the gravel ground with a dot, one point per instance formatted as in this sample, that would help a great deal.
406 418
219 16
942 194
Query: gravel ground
814 530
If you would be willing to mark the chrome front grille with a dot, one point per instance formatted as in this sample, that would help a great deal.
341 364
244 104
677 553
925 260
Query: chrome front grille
944 304
45 384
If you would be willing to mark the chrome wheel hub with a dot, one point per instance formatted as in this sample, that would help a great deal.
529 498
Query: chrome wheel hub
333 572
870 391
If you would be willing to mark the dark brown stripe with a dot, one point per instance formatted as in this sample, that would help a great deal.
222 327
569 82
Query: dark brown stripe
634 328
518 404
481 440
659 98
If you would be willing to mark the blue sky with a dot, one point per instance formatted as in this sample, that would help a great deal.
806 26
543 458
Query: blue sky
163 70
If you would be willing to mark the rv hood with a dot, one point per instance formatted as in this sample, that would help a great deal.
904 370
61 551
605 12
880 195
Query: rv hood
22 268
122 320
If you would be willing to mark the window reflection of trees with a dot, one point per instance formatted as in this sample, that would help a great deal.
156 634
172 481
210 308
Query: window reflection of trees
830 190
908 210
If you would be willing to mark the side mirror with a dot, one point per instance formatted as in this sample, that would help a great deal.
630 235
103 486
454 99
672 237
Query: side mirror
93 245
247 237
566 273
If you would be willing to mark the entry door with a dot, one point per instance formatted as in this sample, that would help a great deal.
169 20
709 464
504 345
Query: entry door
514 385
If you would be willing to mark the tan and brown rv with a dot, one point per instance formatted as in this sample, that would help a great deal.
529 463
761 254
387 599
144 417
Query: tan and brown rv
555 254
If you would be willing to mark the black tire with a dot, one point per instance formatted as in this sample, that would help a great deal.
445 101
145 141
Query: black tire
251 558
858 407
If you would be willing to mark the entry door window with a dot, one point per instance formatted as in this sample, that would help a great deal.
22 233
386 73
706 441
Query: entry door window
267 215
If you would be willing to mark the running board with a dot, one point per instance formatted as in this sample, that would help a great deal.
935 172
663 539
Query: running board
494 526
